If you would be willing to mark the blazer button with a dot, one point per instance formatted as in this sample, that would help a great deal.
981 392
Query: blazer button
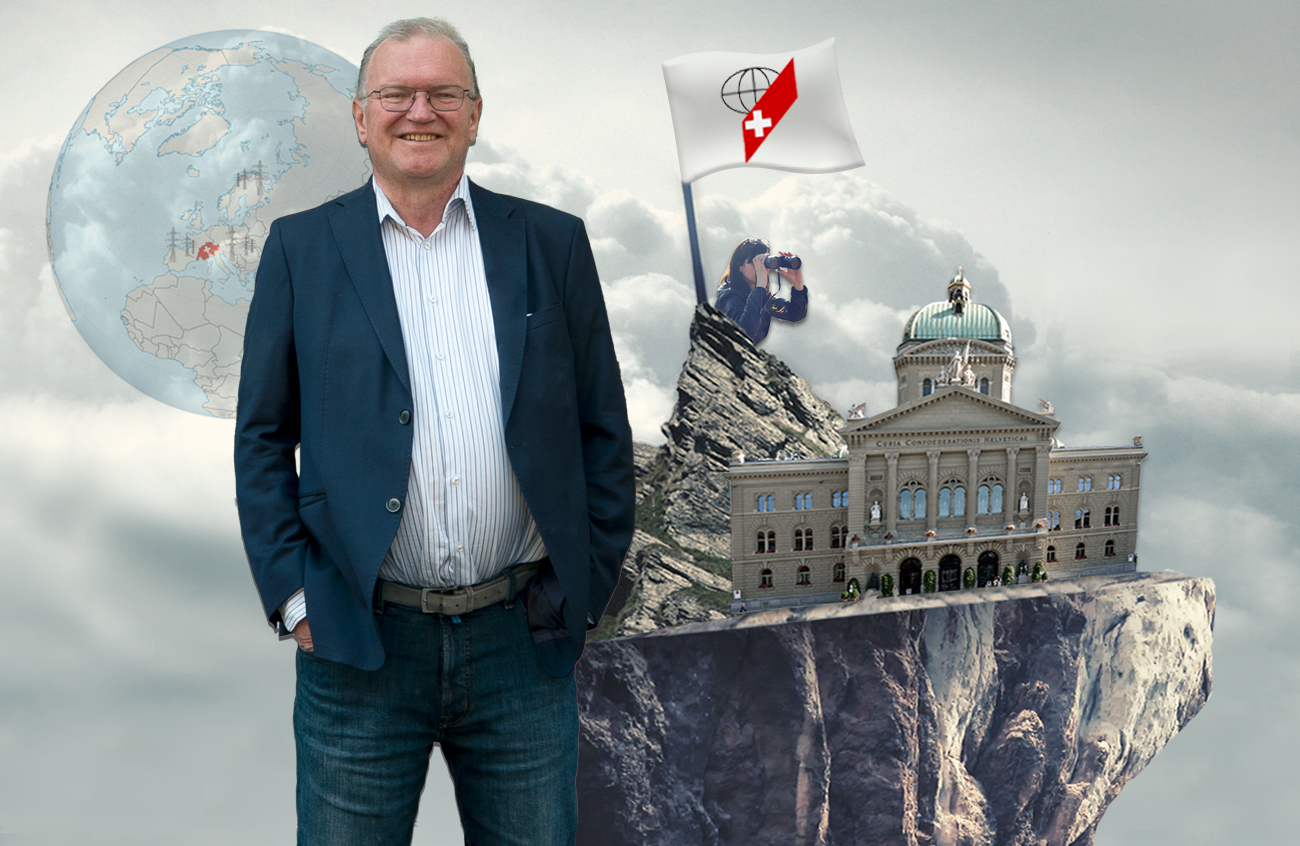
394 504
404 417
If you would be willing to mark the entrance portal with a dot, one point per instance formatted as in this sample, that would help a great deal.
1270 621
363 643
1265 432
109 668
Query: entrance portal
988 568
949 572
909 576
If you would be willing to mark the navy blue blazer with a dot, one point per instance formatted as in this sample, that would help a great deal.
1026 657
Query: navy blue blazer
324 367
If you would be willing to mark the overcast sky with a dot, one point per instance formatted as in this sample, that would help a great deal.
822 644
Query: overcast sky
1119 179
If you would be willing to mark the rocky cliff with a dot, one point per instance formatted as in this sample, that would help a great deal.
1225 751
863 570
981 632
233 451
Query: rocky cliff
1008 715
731 398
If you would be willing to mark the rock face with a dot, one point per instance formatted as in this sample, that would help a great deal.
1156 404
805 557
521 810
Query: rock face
1008 715
730 397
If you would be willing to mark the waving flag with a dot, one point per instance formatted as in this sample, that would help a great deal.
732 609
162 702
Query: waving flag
784 111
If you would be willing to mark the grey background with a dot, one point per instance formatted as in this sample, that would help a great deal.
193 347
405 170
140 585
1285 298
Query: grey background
1118 178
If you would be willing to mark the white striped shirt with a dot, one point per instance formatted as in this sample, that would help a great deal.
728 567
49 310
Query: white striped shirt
464 519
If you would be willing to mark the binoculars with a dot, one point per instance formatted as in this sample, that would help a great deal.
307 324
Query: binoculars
790 262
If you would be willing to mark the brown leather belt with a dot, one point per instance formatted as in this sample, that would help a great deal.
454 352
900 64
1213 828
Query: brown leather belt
461 600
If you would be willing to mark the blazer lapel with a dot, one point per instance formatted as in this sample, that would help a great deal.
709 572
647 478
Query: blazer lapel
356 231
505 260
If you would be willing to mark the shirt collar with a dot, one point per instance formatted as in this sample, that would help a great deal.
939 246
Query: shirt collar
459 196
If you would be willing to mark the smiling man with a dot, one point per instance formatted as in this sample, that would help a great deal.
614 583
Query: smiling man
463 498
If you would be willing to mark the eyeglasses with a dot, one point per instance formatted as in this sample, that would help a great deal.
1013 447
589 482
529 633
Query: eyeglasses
399 98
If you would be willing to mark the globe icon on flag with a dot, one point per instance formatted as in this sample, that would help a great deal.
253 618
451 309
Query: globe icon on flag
745 87
166 187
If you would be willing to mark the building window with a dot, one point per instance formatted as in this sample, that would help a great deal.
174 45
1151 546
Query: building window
765 579
840 499
837 537
1113 482
802 501
1112 515
1082 518
837 572
952 499
1051 553
1056 521
984 386
766 502
766 542
1110 549
990 497
927 388
911 502
1080 552
804 578
1085 483
803 539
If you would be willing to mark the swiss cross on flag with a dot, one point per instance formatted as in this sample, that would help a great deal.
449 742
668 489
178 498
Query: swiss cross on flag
769 110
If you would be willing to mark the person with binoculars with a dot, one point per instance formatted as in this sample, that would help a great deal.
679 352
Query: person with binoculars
744 295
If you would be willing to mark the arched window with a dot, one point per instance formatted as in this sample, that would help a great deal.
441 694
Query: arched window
918 504
1110 549
837 537
1087 518
802 501
1113 482
804 578
927 388
1112 515
837 572
984 386
1051 553
803 539
990 497
905 505
840 499
911 501
1080 551
1056 521
945 501
766 502
959 501
765 579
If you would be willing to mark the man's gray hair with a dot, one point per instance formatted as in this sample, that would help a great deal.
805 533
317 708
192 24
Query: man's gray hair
413 28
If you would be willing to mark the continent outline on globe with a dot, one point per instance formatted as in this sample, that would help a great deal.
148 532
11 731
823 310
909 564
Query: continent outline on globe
164 192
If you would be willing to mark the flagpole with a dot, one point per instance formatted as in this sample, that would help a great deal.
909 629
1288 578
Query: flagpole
701 295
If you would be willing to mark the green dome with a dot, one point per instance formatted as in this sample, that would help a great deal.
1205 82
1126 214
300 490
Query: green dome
938 320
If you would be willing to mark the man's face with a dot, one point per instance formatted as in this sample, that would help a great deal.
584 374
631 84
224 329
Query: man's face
421 147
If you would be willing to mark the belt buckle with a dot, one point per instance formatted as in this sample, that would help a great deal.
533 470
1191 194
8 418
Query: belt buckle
451 602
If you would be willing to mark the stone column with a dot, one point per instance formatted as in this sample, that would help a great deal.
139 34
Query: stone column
857 493
972 485
891 494
1042 471
1009 495
932 490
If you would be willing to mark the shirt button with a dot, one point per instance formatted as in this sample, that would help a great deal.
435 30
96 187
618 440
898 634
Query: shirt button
460 547
455 480
439 356
394 504
448 415
404 417
433 299
426 245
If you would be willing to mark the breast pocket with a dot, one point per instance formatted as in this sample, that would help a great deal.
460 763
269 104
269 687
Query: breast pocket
545 316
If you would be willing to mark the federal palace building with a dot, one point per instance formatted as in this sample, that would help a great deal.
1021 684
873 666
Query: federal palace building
954 478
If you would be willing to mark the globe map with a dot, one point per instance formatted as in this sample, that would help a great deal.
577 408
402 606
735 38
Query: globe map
165 189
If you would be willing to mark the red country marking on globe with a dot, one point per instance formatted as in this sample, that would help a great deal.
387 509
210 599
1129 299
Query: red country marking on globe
208 250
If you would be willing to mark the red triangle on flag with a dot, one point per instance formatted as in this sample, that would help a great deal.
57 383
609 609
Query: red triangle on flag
768 111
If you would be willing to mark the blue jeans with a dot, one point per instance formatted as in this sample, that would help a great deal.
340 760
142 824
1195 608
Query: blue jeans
508 730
